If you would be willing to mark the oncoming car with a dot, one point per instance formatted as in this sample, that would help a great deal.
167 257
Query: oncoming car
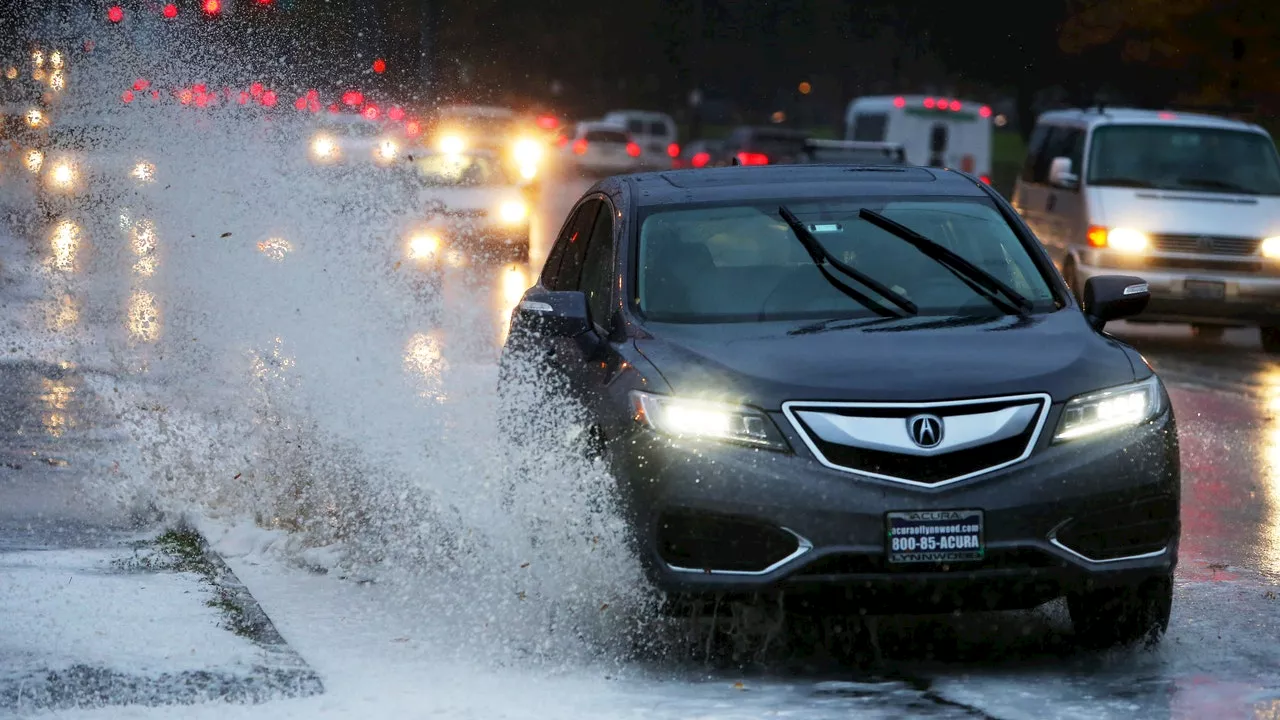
469 205
349 138
856 389
89 164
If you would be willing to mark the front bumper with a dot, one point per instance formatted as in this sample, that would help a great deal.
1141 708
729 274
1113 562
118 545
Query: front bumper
838 520
1251 292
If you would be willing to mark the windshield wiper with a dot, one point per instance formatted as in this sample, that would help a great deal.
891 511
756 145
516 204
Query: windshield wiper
979 280
822 257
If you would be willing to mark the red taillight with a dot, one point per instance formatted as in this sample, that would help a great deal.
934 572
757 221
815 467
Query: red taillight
127 96
115 13
562 141
352 98
141 84
256 90
379 66
333 108
243 99
395 114
700 159
930 103
899 102
170 11
580 146
633 149
213 7
269 98
984 111
412 128
750 158
985 179
548 122
200 88
185 97
956 106
300 104
371 112
673 150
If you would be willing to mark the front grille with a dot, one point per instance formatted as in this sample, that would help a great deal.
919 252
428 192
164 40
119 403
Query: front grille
1205 244
707 542
1180 263
857 564
910 464
1146 526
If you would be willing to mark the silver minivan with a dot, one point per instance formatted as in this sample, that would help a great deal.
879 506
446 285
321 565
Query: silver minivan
1189 202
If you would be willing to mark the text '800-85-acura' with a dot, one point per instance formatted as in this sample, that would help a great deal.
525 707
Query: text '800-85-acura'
864 389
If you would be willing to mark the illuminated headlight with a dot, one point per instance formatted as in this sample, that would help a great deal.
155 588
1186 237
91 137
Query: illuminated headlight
62 175
513 212
324 148
56 59
143 172
388 149
35 160
1112 409
1271 247
452 144
1125 240
34 117
705 420
527 152
423 246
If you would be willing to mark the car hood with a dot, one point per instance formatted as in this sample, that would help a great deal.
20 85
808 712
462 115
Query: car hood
911 360
1186 213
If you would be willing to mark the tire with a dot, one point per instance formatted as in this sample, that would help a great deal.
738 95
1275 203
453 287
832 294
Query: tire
1208 333
1270 339
1112 617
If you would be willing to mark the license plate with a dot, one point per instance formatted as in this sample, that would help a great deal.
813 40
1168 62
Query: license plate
1206 289
934 536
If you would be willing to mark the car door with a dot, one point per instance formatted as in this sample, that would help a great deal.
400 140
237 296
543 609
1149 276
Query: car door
1063 205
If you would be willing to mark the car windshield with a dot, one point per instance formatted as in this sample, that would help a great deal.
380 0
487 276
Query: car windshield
481 125
1179 157
742 263
606 136
461 170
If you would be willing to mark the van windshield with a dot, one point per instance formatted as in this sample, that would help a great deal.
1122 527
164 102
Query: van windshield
1172 157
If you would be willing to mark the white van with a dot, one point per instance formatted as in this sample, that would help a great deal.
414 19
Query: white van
1191 203
934 131
654 132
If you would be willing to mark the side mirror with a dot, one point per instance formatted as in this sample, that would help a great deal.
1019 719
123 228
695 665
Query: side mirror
556 313
1060 173
1113 297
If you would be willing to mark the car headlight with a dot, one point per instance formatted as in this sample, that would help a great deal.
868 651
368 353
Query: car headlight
423 246
1111 409
34 117
324 148
706 420
35 160
1271 247
1122 239
388 149
143 172
452 144
513 212
527 151
62 175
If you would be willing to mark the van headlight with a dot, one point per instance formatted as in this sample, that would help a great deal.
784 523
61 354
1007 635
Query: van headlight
1115 408
1270 247
513 212
388 150
706 420
62 176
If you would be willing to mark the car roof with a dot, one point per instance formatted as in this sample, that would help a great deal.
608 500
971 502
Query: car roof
887 101
601 125
758 182
1091 117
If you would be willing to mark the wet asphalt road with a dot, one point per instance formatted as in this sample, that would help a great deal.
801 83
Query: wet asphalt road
1221 658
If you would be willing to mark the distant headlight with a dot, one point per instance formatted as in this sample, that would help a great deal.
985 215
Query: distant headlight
706 420
527 152
513 212
324 148
1271 247
452 144
34 117
423 246
35 160
388 150
63 175
143 172
1111 409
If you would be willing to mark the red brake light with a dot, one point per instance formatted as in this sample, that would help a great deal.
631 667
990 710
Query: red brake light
379 66
673 150
751 158
943 104
985 179
127 96
200 88
899 102
170 11
352 98
213 7
984 111
256 89
633 149
562 140
300 103
141 84
929 103
371 112
115 13
548 122
580 146
955 105
269 98
185 97
333 108
700 159
395 114
243 99
412 128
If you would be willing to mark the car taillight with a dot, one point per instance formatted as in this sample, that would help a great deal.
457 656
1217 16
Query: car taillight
633 149
899 102
115 13
984 111
548 122
580 146
170 11
751 158
673 150
700 159
985 179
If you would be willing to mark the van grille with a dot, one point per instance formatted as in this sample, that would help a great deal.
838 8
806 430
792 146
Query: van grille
1206 244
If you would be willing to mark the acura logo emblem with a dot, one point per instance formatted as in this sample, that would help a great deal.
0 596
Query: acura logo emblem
925 430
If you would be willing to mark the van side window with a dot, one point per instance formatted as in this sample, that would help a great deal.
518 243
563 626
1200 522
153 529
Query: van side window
1067 142
870 127
1036 148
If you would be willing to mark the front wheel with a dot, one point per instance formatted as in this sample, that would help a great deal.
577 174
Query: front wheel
1270 339
1111 617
